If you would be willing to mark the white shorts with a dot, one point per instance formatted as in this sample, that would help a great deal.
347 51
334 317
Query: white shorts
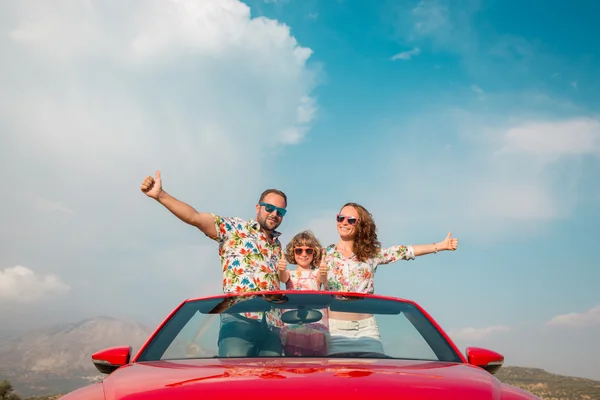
354 336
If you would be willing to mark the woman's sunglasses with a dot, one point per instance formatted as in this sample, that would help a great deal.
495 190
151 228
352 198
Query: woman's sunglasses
299 250
351 220
270 208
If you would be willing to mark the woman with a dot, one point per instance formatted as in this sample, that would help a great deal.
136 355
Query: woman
351 266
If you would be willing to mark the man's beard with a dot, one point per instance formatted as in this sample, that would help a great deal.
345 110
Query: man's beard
264 227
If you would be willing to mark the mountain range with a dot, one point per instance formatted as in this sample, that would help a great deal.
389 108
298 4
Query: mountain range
58 359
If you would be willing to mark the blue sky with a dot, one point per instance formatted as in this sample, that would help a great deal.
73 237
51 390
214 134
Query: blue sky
419 140
476 117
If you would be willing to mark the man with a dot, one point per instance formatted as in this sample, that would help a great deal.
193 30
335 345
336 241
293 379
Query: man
249 251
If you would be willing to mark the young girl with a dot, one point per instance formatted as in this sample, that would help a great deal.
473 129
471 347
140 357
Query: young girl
304 250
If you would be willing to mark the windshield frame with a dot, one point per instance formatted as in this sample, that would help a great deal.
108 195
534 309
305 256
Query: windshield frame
222 303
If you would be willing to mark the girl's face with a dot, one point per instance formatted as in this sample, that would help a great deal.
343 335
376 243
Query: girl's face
304 256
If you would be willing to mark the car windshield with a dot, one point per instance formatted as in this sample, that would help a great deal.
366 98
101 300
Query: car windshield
299 324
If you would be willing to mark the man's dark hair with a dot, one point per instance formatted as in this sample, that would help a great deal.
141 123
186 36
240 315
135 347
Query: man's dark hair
266 192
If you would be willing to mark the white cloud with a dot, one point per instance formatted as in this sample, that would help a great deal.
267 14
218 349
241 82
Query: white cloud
100 94
477 334
113 92
22 285
407 55
502 175
430 18
448 26
523 177
513 199
437 23
477 89
195 42
587 318
569 137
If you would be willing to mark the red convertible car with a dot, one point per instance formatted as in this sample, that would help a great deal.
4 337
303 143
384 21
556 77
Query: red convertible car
401 354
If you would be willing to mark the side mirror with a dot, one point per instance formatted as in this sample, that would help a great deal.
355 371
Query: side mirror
108 360
486 359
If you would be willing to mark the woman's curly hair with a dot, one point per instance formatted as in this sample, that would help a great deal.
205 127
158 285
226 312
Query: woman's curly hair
308 239
366 244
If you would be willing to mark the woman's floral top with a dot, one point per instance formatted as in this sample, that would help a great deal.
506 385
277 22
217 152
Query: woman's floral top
351 275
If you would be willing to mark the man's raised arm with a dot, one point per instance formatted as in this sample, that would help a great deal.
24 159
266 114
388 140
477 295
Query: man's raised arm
204 221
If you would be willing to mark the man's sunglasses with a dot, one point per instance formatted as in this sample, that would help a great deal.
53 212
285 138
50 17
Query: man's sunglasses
299 250
351 220
270 208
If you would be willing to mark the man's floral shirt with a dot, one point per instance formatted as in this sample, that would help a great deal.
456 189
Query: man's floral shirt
351 275
249 261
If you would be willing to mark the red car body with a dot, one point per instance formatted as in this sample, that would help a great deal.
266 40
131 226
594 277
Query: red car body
299 378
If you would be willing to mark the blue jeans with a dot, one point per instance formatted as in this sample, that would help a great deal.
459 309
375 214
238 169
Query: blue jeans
244 337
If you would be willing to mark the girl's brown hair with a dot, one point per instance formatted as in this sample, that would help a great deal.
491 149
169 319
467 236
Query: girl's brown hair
305 238
366 244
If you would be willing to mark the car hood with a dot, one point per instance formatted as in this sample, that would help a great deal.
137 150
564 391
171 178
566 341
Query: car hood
347 379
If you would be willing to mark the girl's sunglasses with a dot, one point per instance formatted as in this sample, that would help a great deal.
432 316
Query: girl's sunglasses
270 208
299 250
351 220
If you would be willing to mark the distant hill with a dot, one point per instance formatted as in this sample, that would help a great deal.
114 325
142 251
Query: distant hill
58 359
550 386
